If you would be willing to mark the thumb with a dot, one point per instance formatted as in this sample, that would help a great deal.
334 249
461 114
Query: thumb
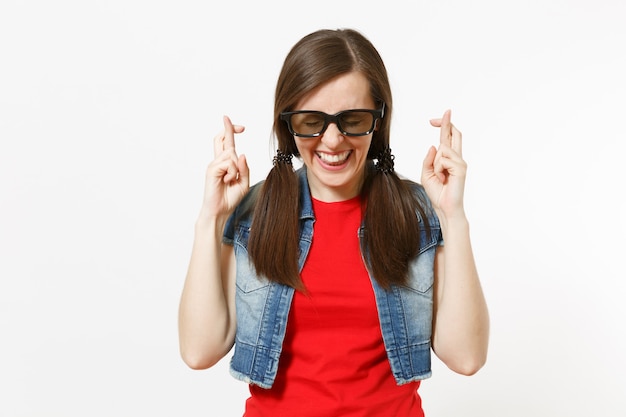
244 171
428 166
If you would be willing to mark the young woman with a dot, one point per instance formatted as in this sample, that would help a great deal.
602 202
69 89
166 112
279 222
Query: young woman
333 282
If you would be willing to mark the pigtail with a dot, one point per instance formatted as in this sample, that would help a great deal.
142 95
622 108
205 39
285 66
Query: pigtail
392 222
273 241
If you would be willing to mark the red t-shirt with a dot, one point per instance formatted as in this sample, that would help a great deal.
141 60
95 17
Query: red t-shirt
333 362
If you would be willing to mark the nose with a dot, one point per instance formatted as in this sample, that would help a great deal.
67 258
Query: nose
332 137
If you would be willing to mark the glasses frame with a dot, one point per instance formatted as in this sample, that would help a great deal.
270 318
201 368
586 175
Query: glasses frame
332 118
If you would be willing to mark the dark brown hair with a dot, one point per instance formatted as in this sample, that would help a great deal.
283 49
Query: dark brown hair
391 235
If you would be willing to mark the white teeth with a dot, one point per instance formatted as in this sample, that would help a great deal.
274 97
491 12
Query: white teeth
334 158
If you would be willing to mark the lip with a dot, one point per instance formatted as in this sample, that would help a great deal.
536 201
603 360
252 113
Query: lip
333 166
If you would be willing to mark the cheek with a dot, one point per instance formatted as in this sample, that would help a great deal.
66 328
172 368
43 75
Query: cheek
304 147
300 148
365 146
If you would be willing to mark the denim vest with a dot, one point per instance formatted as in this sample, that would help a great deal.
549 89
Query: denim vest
405 312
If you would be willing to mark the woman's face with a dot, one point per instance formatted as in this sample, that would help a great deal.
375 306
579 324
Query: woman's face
335 162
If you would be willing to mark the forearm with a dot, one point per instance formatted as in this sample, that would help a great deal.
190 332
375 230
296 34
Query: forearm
206 323
461 331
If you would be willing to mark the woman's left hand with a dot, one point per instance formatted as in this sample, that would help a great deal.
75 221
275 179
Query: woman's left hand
444 170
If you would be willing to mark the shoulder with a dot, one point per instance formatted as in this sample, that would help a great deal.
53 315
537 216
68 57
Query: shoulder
242 215
423 201
247 203
418 192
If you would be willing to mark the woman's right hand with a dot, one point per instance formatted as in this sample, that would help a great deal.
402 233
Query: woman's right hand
227 176
207 320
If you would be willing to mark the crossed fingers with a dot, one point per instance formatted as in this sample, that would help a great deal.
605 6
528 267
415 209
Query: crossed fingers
224 149
449 135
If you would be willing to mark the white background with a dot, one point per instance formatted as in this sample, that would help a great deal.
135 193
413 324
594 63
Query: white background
107 111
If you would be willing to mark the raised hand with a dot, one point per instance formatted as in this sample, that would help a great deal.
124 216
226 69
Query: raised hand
461 332
227 176
444 170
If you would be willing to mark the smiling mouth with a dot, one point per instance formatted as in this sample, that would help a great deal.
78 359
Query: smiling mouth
334 159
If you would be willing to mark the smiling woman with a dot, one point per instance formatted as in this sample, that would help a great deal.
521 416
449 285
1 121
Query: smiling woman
332 281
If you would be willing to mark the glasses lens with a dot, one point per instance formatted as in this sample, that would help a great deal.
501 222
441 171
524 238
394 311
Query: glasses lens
350 122
307 123
356 122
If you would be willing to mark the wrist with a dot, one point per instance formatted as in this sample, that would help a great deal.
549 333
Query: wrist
208 221
456 219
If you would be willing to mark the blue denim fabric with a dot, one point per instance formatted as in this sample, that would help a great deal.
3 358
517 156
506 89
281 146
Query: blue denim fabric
405 312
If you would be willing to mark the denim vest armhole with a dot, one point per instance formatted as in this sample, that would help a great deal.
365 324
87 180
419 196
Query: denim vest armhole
228 237
243 210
